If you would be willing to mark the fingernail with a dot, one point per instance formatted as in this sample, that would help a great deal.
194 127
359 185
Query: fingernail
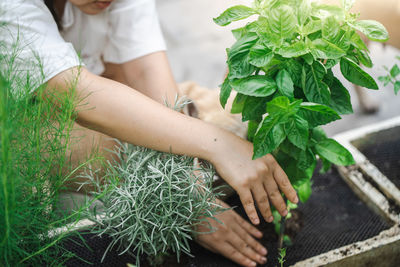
264 251
284 213
256 221
253 263
296 200
270 219
264 259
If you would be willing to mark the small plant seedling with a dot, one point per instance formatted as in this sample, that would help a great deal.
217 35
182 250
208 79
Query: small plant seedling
282 255
281 68
392 77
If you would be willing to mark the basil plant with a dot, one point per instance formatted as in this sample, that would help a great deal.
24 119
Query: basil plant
281 68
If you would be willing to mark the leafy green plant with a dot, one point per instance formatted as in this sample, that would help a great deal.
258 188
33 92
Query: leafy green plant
392 77
34 145
282 255
34 140
152 202
281 68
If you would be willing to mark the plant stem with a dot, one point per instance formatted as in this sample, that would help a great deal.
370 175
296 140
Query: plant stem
282 229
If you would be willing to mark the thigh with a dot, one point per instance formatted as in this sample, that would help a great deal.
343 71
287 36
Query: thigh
87 146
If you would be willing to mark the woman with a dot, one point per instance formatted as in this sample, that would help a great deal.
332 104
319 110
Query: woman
125 78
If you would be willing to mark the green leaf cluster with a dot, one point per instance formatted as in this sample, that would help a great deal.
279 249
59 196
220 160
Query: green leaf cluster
392 77
281 68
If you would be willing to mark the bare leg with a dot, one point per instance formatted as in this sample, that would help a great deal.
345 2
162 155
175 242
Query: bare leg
87 143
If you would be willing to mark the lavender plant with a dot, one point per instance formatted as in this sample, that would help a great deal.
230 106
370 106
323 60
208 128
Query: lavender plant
152 202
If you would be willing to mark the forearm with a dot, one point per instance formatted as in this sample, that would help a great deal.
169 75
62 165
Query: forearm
118 111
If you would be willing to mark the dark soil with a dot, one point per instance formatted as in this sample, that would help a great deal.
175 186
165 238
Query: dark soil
333 217
383 150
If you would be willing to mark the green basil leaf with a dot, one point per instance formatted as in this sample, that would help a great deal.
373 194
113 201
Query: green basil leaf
288 147
282 21
252 129
395 71
353 73
357 42
318 134
308 58
238 56
297 132
348 4
374 30
281 105
385 79
325 50
326 165
364 58
295 50
312 27
340 97
334 152
296 176
284 83
330 28
234 13
238 104
225 92
306 159
304 191
257 85
295 69
396 87
303 11
343 38
268 137
323 11
314 88
260 55
241 32
254 108
330 63
278 105
317 114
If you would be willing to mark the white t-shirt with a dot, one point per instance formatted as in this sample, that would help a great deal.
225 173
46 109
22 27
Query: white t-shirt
126 30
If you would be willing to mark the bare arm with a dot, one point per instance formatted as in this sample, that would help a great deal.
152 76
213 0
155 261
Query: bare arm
118 111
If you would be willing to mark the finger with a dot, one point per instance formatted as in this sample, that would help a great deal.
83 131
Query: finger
248 227
261 198
284 183
235 255
247 200
245 248
246 237
275 196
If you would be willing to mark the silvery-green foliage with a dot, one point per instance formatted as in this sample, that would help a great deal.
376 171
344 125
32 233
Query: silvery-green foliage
152 201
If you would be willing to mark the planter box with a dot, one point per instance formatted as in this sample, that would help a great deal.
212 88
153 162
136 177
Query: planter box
336 225
352 218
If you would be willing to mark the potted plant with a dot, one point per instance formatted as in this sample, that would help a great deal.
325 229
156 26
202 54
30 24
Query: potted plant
281 68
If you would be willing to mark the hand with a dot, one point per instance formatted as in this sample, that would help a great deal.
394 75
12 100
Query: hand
258 180
234 238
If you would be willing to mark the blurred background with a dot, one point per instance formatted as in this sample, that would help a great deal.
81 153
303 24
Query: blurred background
196 50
